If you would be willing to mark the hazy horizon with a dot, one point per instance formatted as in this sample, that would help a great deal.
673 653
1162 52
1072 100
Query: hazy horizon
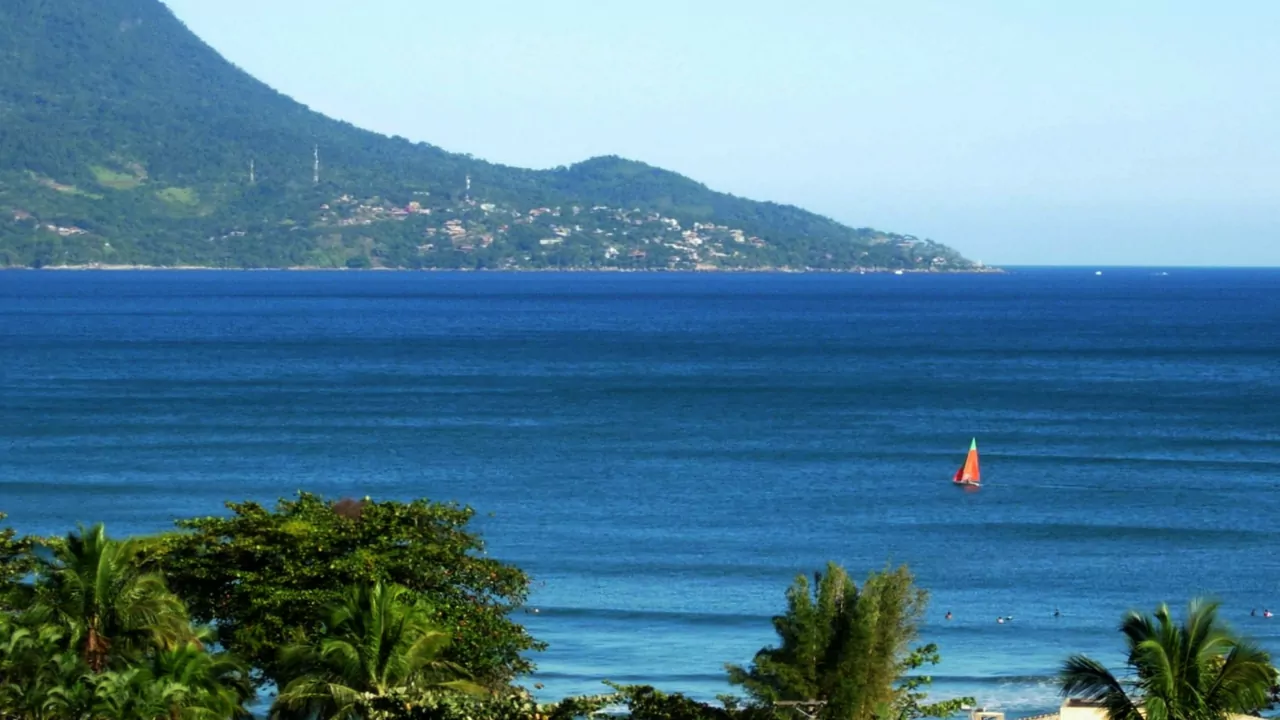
1088 135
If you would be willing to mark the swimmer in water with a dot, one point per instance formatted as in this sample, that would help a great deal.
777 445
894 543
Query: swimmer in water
948 615
1000 620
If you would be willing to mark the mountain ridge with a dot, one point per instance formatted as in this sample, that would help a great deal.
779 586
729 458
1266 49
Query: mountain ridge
126 140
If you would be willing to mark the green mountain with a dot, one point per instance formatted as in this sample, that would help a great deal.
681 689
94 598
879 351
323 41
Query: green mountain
124 139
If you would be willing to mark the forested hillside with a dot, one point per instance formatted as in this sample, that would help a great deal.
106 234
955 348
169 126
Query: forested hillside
124 139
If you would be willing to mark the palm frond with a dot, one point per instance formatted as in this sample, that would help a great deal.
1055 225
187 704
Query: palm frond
1087 679
1196 670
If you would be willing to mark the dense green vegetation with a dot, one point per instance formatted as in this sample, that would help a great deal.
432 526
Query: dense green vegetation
1196 670
98 636
126 140
267 576
98 628
849 646
376 643
15 558
390 610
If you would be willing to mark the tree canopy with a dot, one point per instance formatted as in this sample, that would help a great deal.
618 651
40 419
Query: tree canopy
103 638
388 610
1194 670
847 647
15 560
112 609
377 642
265 576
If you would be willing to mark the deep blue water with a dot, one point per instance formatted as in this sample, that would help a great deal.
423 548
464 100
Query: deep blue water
666 452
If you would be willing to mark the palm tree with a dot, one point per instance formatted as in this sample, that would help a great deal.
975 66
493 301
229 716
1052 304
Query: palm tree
67 691
129 695
32 664
375 643
199 685
95 587
1198 670
107 640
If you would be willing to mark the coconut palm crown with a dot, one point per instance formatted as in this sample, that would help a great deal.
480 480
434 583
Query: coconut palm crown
376 642
1196 670
96 588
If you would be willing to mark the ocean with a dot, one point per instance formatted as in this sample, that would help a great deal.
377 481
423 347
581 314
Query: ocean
666 452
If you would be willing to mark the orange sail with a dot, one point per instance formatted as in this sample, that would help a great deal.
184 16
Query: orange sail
969 474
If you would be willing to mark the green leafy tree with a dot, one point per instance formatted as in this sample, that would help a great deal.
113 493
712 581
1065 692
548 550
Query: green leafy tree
113 611
199 685
40 681
847 647
644 702
16 561
1196 670
263 576
20 655
376 642
107 640
911 691
512 703
135 693
69 692
129 694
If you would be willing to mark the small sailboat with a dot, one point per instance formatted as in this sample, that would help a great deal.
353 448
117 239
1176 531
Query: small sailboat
968 474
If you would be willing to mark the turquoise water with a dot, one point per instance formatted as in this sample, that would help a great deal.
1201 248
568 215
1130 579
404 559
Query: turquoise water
666 452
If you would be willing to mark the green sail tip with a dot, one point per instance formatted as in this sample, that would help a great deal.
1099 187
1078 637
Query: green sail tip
973 445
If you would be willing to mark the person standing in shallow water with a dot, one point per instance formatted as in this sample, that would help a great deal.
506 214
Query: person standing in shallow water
948 615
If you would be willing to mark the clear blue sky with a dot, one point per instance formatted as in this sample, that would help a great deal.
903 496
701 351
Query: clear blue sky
1020 132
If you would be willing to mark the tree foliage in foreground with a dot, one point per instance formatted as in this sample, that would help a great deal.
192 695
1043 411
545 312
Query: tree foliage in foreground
105 640
1196 670
848 647
15 561
377 642
266 576
95 588
355 611
641 702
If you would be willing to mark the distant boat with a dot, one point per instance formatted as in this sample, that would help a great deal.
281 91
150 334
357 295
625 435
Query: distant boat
968 474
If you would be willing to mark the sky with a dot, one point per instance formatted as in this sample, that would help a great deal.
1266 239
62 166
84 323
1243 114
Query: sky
1077 132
